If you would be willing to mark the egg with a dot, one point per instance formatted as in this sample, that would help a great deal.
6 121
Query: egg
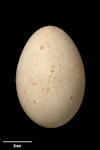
50 78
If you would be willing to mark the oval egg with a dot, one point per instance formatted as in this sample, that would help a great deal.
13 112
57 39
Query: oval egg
50 78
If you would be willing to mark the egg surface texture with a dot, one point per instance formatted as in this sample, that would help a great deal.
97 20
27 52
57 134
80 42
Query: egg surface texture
50 78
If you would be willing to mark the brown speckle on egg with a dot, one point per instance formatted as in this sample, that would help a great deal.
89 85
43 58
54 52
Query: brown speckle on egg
71 97
52 71
34 101
42 89
50 75
48 44
52 28
41 47
47 89
34 84
65 38
58 81
24 92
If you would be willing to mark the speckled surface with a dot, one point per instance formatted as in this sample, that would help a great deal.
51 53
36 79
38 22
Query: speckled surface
50 77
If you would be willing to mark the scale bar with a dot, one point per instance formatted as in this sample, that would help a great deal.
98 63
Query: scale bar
17 141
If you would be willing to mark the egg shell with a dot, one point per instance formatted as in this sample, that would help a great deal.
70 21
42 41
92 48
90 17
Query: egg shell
50 77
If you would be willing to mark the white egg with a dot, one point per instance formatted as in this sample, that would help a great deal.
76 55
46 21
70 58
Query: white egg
50 78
